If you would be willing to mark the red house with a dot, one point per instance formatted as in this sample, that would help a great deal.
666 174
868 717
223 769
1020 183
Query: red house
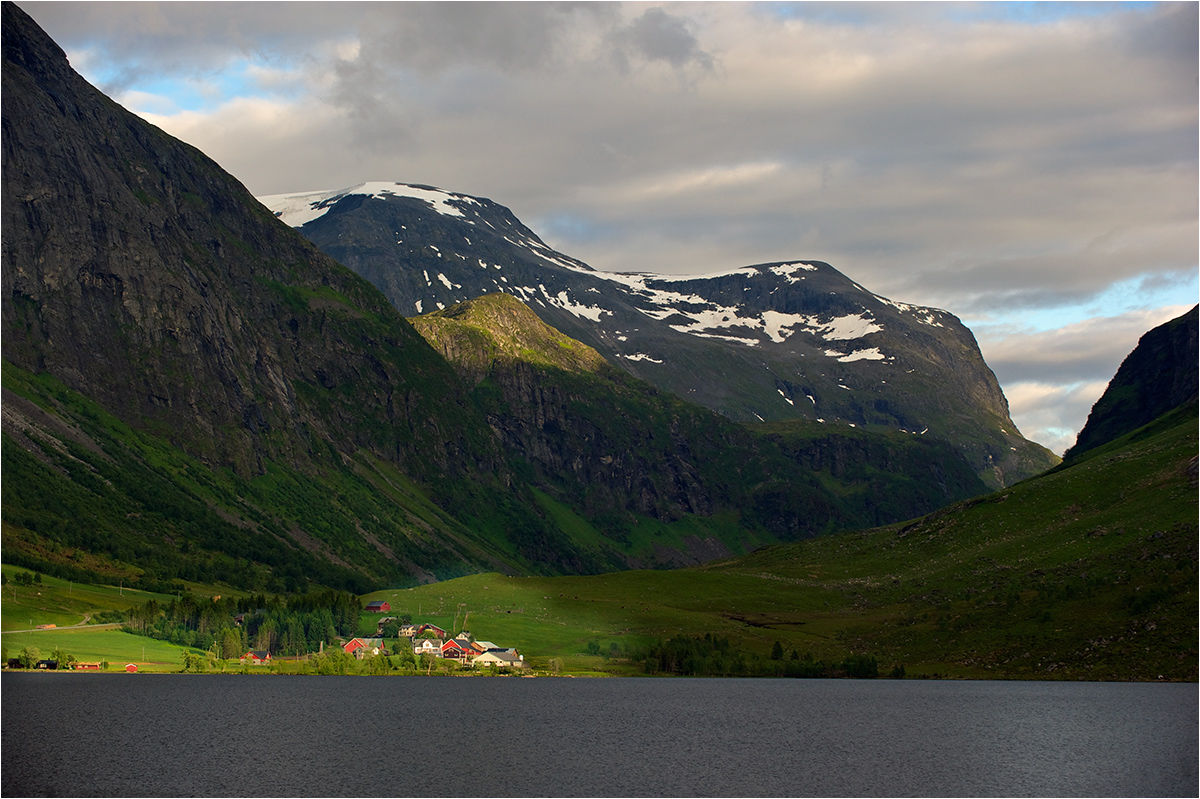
378 606
256 657
430 628
456 649
368 645
131 667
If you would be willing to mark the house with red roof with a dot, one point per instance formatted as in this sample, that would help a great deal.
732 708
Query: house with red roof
363 647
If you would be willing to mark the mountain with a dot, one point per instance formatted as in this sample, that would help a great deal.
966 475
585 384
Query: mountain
642 467
192 391
174 344
1159 375
770 342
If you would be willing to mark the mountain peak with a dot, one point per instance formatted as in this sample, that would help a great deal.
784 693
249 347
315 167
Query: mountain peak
792 339
301 208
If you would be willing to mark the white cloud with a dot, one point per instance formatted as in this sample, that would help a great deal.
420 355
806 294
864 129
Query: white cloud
1052 414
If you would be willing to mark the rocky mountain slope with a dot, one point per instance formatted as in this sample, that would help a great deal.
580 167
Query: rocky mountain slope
192 391
1159 375
629 458
766 343
148 284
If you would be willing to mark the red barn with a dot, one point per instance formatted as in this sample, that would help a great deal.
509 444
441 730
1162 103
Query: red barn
131 667
457 650
378 606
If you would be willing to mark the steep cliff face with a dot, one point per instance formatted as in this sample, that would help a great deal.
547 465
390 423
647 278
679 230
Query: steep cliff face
142 281
140 274
1158 376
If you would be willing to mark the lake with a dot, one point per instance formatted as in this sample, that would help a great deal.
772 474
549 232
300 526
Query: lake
235 735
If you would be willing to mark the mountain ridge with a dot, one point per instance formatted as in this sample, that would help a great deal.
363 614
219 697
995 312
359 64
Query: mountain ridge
785 340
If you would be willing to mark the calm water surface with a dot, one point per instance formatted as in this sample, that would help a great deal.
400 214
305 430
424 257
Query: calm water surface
217 735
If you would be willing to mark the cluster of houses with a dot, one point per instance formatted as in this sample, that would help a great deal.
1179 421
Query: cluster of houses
427 639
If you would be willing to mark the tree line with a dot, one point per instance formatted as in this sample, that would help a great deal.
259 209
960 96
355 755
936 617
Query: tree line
230 627
711 656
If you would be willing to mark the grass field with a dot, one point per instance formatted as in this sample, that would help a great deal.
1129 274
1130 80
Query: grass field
114 646
69 606
61 602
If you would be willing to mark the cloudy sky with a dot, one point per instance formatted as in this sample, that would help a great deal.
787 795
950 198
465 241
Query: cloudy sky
1030 167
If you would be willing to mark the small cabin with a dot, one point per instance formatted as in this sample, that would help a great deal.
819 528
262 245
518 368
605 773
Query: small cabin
131 668
378 606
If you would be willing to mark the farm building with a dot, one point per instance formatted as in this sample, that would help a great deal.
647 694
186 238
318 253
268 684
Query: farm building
378 606
363 647
256 657
131 668
456 649
427 646
504 658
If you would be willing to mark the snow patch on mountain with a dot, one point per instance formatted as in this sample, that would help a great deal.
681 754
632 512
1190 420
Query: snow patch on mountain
926 316
870 354
845 328
562 300
297 210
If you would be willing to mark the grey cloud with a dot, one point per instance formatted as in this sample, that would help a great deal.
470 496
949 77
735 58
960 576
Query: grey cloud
658 36
1169 34
435 37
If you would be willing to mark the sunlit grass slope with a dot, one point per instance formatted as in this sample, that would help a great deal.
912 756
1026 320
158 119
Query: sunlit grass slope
74 608
1085 573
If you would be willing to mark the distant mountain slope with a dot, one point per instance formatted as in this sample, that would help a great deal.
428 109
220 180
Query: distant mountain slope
1160 374
192 391
1088 572
770 342
629 458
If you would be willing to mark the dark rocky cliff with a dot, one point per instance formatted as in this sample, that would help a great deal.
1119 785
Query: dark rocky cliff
140 274
1158 376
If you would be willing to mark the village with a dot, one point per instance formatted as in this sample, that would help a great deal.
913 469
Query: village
423 639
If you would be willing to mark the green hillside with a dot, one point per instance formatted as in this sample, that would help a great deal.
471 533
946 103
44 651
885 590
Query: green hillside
1086 573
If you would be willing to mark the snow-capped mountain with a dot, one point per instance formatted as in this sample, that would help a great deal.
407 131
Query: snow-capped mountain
770 342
